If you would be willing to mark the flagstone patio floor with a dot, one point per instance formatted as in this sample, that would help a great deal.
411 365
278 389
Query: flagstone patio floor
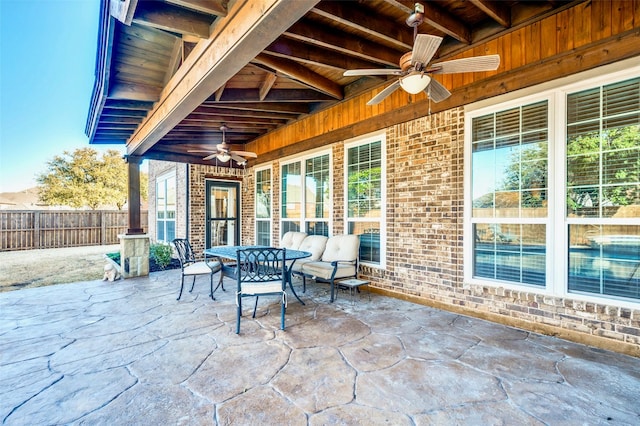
128 353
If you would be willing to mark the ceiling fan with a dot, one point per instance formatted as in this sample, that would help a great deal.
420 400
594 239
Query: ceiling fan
415 69
223 152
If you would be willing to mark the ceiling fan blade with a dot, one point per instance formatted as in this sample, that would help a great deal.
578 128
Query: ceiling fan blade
436 91
244 153
424 48
379 71
209 157
476 63
386 92
240 160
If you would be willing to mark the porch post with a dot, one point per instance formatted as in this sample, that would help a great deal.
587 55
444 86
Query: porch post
135 227
134 245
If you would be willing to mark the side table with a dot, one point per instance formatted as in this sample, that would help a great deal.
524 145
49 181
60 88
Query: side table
353 284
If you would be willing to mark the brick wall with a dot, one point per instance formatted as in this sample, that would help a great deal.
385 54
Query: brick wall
425 198
198 176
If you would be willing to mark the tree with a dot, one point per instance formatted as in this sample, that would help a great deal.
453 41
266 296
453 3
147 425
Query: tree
81 179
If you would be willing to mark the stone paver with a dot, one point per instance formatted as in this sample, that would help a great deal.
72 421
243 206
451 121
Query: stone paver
128 353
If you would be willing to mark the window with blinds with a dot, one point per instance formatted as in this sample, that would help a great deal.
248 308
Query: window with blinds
364 197
603 189
306 195
166 208
510 194
577 235
317 199
263 207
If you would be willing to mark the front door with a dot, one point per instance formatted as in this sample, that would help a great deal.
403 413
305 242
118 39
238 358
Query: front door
223 214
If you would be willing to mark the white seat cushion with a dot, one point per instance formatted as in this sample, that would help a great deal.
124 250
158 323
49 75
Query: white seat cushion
261 288
314 244
297 266
292 240
341 247
200 268
324 270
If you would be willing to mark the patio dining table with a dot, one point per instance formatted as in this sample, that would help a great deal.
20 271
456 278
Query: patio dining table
231 252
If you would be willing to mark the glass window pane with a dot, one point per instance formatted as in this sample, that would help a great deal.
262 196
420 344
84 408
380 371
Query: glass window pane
317 228
583 201
317 187
171 230
263 232
289 226
369 233
510 252
622 97
583 170
160 230
291 190
603 164
364 186
583 105
605 260
504 168
263 194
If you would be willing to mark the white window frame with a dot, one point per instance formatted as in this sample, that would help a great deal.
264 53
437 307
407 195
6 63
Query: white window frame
163 179
557 232
255 209
359 141
302 221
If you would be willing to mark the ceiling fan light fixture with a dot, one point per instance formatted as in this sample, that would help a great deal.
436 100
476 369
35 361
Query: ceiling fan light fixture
415 82
224 157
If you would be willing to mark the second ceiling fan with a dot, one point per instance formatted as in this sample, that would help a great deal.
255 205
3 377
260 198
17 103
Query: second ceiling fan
415 69
223 152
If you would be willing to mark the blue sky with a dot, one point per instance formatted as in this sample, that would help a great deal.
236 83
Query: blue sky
47 65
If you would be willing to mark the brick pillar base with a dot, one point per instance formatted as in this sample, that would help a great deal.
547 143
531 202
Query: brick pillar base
134 255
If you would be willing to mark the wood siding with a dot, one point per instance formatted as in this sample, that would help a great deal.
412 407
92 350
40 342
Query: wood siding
586 36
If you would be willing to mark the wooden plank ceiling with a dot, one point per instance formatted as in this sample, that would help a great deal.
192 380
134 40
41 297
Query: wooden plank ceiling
299 73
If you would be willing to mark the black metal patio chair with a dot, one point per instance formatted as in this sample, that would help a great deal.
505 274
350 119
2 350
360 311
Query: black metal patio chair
261 272
192 267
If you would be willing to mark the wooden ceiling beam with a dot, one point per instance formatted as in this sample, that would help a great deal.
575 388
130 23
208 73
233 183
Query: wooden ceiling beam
437 18
302 74
177 57
249 27
245 113
172 18
125 112
266 85
230 119
123 120
215 124
128 104
340 41
498 12
136 92
315 55
446 23
354 16
123 10
272 107
275 95
219 92
210 7
116 126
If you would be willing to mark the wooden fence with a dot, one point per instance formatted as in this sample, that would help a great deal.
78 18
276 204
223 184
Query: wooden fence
38 229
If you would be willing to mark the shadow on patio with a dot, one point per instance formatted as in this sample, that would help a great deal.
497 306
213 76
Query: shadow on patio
128 352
